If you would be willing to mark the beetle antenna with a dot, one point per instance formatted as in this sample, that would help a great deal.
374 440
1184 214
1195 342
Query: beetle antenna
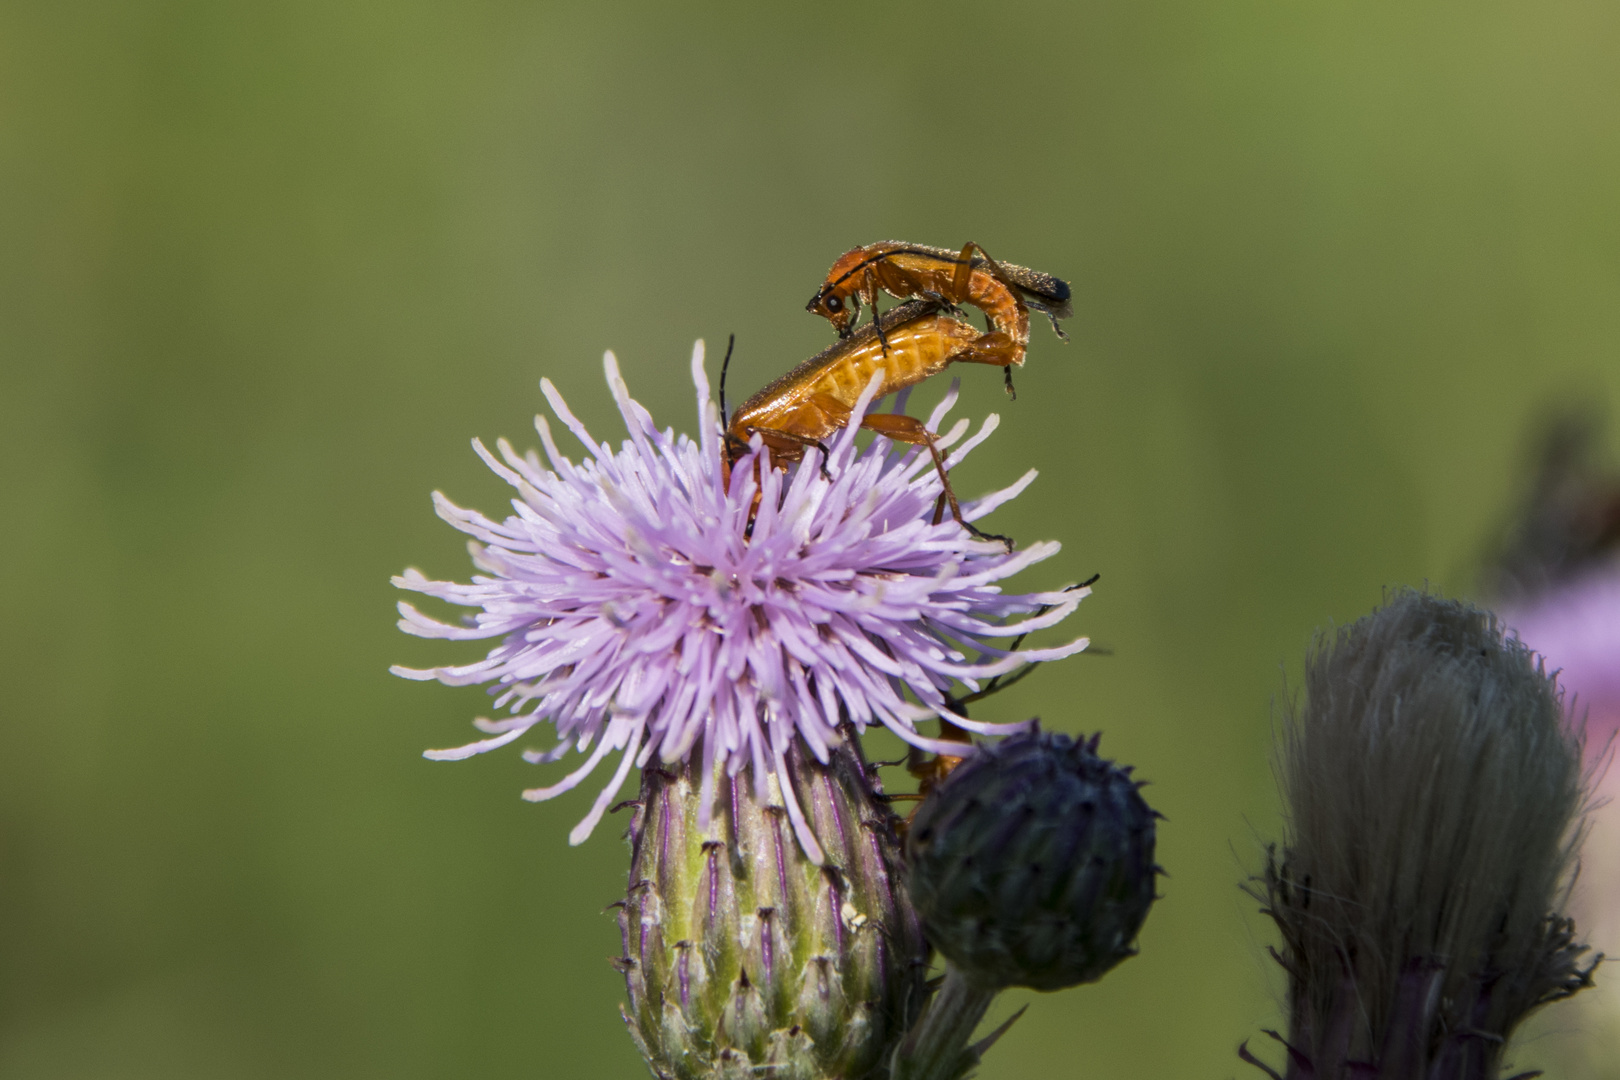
730 341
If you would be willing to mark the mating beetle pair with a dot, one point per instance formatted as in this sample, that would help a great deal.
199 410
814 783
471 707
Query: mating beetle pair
909 343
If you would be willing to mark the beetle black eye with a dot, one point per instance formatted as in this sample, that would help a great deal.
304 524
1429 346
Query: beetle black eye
834 304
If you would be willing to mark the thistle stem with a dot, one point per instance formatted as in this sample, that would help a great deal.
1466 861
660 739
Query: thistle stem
936 1047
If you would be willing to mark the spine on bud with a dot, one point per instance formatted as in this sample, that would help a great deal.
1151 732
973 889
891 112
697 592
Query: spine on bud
743 956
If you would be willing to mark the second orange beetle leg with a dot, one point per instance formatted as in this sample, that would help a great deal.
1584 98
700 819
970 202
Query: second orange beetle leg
909 429
996 341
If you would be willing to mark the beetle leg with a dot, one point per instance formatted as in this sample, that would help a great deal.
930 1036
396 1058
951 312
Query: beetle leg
995 347
736 447
964 266
964 271
909 429
1044 310
792 443
871 289
962 278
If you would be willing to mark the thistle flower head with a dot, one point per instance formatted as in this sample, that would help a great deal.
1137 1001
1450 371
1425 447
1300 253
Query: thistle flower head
644 607
1433 796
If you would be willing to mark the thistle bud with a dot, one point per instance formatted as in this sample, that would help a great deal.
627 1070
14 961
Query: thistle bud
1434 798
744 958
1032 864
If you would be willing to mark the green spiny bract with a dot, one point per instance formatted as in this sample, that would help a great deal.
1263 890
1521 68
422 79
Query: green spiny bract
743 958
1032 864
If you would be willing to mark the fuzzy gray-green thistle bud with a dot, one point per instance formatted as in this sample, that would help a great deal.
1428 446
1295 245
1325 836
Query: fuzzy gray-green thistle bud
742 957
1032 865
1433 795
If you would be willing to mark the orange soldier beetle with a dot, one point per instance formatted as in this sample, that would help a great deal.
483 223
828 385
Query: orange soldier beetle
1003 291
816 399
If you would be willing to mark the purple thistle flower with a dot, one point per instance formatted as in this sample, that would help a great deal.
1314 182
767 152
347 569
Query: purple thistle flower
1575 625
639 614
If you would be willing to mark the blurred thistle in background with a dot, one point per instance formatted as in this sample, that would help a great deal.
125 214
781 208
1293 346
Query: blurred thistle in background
1434 811
1555 574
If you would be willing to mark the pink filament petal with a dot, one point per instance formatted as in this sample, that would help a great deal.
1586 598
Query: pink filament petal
635 602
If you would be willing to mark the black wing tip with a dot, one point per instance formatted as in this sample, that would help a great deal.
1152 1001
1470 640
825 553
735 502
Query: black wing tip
1058 300
1050 293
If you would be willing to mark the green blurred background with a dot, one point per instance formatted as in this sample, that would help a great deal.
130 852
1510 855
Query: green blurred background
268 266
